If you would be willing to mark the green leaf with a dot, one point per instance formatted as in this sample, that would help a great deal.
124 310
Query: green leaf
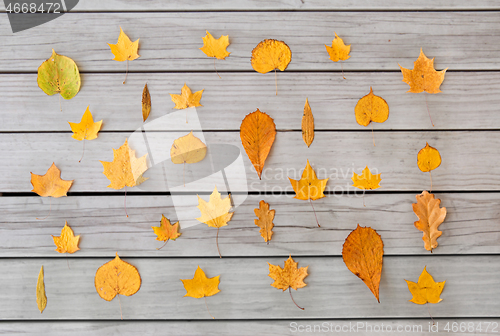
59 74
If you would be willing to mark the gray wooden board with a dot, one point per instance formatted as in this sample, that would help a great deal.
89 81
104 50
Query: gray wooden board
471 226
171 41
466 161
332 291
225 102
415 327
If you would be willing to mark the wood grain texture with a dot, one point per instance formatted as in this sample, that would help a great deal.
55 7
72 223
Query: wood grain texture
466 161
171 41
225 102
331 291
471 226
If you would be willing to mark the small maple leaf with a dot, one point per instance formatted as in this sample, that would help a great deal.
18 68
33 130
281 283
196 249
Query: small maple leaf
86 129
146 103
188 149
41 298
309 186
430 217
66 242
307 124
59 74
124 49
366 180
338 50
215 47
371 108
186 98
201 286
51 183
288 277
423 77
166 230
426 289
265 221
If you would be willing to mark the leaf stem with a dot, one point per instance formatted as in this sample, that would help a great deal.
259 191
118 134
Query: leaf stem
206 305
126 73
216 70
290 291
429 311
310 201
125 201
373 136
276 81
120 302
67 262
342 67
84 137
50 209
166 241
431 180
425 95
217 242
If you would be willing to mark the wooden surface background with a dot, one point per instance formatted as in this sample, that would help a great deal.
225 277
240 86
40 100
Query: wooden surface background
464 36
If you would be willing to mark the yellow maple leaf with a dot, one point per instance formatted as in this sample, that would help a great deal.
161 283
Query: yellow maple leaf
125 169
66 242
430 216
188 149
288 277
86 129
338 50
186 98
423 77
201 286
51 183
166 230
41 298
215 212
428 158
426 289
366 180
309 186
265 221
371 108
124 49
215 47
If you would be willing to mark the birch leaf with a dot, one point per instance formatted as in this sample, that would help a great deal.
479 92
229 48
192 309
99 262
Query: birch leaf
428 158
117 277
371 108
59 74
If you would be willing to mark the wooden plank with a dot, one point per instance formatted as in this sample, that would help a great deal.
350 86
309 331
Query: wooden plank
26 108
334 155
471 226
332 290
417 327
171 41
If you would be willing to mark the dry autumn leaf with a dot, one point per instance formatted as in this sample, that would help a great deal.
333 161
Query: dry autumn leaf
307 125
146 103
426 289
86 129
371 108
41 298
265 221
201 286
423 77
288 277
366 180
257 133
51 183
117 277
188 149
66 242
186 98
270 55
362 252
215 212
166 231
428 158
338 51
430 217
124 49
59 74
215 47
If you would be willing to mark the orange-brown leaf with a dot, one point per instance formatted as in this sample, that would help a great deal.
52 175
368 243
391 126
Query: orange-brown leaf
362 252
307 124
265 221
423 77
430 217
289 276
309 186
166 230
146 103
257 133
51 183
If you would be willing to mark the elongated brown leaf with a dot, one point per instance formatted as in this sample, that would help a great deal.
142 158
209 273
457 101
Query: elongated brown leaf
307 125
257 132
265 221
430 217
146 103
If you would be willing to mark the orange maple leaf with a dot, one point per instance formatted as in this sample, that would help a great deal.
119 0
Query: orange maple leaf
423 77
166 231
288 277
51 183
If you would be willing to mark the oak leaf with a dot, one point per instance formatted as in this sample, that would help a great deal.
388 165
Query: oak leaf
66 242
51 183
288 277
309 186
125 169
371 108
428 158
188 149
307 124
124 49
423 77
59 74
215 47
186 98
257 133
117 277
166 230
270 55
86 129
265 221
146 103
41 298
426 289
362 252
201 286
338 50
366 180
430 217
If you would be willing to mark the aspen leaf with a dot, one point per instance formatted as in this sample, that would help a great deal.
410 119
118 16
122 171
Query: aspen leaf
146 103
166 230
362 253
188 149
51 183
426 289
41 298
309 186
307 125
430 216
338 50
366 180
269 55
201 286
265 221
186 98
124 49
125 169
428 158
371 108
257 133
86 129
117 277
59 74
288 277
215 47
66 242
423 77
